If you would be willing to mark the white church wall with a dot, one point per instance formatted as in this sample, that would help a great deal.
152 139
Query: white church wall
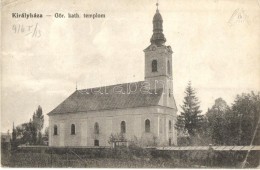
84 132
109 122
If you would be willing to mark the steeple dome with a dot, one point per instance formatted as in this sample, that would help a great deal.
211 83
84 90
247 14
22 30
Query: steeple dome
158 36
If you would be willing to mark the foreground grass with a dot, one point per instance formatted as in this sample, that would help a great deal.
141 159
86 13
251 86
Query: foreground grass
126 158
47 160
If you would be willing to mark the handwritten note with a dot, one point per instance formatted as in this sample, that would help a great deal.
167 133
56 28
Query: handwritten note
27 30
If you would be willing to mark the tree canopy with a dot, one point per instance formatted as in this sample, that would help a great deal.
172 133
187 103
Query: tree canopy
237 124
30 132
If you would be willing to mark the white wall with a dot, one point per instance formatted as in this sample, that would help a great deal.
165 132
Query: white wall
109 122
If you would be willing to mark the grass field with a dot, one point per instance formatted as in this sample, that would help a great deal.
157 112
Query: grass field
125 158
46 160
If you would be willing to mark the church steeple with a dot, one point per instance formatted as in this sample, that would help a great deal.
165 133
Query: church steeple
158 36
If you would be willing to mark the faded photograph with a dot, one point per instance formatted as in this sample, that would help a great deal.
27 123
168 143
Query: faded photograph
130 84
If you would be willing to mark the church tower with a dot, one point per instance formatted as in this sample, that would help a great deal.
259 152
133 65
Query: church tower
158 61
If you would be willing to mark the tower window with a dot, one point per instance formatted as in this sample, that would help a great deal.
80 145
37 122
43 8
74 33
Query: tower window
147 125
73 129
154 66
96 128
55 132
169 67
169 92
123 127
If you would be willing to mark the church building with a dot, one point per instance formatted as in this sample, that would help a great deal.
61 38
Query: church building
144 110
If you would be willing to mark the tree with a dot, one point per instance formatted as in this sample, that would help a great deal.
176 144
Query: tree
38 119
46 132
217 123
39 139
37 122
32 130
245 116
30 133
26 133
189 122
235 125
14 143
14 133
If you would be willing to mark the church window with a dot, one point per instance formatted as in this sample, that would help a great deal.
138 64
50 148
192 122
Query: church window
147 125
169 67
55 130
96 142
96 128
73 129
123 127
169 92
154 66
170 125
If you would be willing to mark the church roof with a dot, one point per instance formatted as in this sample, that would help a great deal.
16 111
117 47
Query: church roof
112 97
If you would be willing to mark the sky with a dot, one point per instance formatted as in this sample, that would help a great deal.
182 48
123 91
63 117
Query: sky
215 46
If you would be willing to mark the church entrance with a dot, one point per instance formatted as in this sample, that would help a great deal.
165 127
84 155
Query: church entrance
96 142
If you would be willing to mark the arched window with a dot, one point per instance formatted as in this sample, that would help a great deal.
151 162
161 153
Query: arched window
169 92
147 125
72 129
154 65
96 128
123 127
170 125
169 67
55 131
